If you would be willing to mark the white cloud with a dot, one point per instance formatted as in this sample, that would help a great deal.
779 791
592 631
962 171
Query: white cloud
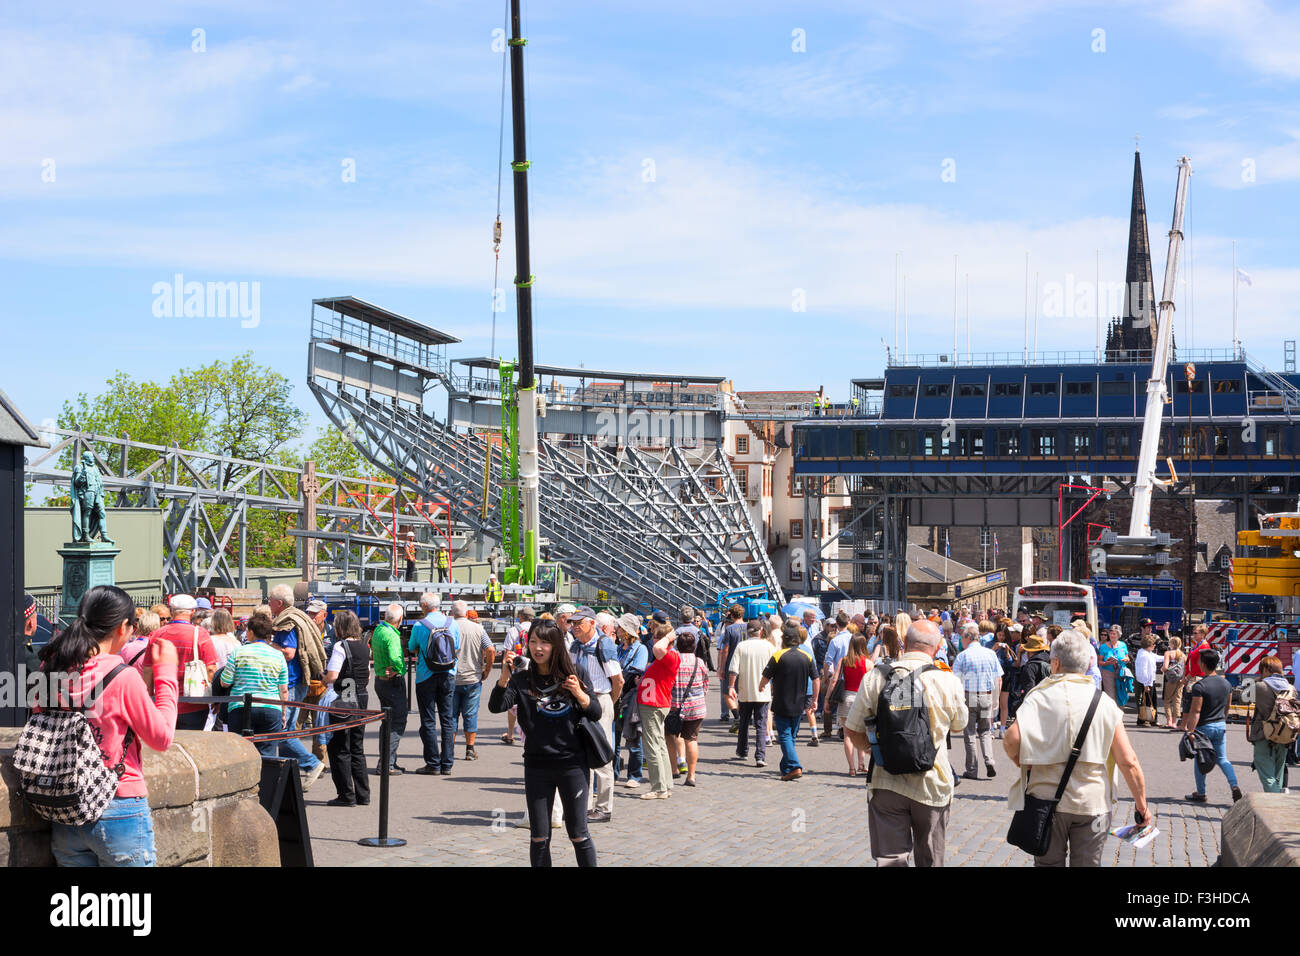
1264 37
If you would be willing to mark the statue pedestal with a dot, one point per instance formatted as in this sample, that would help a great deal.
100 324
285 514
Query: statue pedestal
85 565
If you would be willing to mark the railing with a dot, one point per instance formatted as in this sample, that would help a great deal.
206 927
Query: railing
1066 357
341 328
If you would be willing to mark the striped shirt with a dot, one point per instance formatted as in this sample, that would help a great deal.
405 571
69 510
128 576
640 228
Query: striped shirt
255 668
692 706
979 669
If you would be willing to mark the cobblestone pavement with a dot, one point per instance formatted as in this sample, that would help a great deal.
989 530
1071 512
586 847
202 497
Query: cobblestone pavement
738 815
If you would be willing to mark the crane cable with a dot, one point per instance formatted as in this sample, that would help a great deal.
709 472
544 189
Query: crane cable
501 140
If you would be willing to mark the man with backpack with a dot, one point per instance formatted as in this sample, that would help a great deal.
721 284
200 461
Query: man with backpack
1035 667
435 642
913 706
596 659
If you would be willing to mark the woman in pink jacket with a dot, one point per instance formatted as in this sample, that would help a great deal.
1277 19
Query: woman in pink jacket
77 660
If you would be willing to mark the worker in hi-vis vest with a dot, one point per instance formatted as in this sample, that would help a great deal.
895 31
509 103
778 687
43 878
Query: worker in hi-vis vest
444 564
493 593
410 555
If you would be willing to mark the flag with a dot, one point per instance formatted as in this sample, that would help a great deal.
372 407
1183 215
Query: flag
1244 276
947 545
995 549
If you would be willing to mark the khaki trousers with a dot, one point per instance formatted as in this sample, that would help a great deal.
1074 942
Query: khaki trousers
1083 836
899 826
655 747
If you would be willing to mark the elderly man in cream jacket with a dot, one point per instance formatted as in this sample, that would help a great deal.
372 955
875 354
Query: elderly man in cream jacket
1040 741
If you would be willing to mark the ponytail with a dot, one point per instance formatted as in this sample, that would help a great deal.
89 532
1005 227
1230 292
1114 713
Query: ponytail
102 610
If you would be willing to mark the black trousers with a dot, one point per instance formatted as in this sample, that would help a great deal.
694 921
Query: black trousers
348 760
391 692
573 781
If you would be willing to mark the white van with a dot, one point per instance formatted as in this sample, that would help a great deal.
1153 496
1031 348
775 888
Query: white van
1057 602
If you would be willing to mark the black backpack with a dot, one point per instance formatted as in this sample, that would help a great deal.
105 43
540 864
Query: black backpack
903 721
1031 673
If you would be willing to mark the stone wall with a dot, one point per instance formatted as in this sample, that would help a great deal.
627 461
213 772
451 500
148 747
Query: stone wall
1262 830
203 794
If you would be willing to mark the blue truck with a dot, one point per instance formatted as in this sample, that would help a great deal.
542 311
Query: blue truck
1125 601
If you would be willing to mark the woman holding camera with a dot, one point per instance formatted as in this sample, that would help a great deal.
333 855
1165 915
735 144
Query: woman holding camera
551 697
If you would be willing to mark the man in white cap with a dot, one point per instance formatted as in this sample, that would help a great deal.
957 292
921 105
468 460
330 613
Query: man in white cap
188 639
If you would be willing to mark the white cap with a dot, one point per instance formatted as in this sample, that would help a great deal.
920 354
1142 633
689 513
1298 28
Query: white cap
182 602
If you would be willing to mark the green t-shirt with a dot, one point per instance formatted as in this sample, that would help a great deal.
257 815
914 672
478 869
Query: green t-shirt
386 650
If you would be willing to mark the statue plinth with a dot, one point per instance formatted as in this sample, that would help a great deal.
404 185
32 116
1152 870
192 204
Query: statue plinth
86 564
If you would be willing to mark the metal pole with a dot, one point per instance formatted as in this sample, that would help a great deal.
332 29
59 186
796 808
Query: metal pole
528 399
247 729
383 839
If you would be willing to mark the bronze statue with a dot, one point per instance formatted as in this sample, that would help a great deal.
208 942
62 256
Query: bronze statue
89 514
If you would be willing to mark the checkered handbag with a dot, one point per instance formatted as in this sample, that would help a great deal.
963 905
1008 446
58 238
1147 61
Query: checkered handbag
62 773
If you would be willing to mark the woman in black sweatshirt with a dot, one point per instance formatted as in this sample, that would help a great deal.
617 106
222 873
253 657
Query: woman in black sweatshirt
551 697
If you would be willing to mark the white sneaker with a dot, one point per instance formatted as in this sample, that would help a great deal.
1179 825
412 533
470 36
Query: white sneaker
311 776
631 784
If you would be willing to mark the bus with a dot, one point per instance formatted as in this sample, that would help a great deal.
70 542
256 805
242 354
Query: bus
1057 602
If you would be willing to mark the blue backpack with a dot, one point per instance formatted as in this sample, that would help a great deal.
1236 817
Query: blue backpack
439 648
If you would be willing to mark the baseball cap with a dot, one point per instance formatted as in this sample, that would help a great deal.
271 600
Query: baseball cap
315 606
182 602
659 617
203 603
1145 622
565 609
583 613
29 606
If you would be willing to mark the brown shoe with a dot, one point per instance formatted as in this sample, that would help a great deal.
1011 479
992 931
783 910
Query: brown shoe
794 774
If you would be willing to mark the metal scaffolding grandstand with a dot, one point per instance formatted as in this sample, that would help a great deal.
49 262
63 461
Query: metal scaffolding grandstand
637 495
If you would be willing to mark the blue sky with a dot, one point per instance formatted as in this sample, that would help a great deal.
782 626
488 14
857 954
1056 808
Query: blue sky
774 170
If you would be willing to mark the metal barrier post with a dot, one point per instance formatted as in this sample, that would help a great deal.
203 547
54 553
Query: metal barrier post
385 744
246 730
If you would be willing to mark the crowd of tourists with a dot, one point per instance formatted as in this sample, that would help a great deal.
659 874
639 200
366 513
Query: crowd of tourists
602 701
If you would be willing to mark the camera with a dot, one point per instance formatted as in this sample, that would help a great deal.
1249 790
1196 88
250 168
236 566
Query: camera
519 665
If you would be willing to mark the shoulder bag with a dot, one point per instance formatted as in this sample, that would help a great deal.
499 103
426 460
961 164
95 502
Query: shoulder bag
673 719
597 750
196 673
1031 828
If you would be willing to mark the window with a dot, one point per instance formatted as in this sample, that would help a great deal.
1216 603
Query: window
1197 387
1187 443
937 391
1116 389
1224 592
1043 441
1268 442
930 443
1117 441
1006 390
1042 388
971 390
1079 441
902 443
742 480
970 441
742 444
1228 385
1078 388
796 529
1008 442
1225 560
859 443
902 391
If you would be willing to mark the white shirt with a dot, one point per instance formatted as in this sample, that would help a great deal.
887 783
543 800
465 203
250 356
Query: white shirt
1144 668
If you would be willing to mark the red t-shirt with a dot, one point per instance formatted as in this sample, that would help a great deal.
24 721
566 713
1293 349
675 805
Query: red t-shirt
181 634
656 687
1194 659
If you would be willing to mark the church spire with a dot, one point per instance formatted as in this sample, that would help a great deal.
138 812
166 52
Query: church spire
1136 331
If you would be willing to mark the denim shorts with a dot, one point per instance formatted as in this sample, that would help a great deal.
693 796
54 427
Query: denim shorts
464 705
122 836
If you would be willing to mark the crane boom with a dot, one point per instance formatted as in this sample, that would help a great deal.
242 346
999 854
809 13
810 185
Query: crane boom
1140 520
